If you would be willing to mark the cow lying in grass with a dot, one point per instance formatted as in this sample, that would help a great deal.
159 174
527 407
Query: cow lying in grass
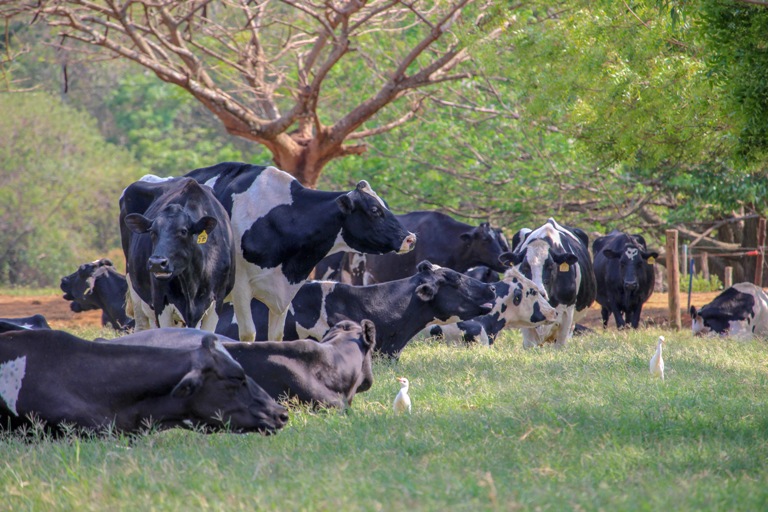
327 373
61 379
740 311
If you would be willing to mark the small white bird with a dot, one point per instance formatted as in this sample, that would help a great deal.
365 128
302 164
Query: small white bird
657 362
402 400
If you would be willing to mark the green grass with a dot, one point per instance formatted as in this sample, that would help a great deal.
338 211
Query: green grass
498 429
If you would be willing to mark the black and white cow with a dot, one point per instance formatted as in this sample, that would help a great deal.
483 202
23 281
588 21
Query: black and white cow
98 285
60 378
442 240
179 252
740 311
519 303
625 276
23 323
399 309
557 259
282 230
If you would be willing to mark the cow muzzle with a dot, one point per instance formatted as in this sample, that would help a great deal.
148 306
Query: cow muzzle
409 242
160 267
631 286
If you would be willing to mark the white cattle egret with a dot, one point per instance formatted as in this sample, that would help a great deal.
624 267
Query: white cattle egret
657 362
402 400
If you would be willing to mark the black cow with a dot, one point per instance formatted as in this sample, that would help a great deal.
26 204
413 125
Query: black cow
98 285
327 373
483 274
59 378
443 241
284 229
740 311
625 276
557 259
23 323
399 309
179 252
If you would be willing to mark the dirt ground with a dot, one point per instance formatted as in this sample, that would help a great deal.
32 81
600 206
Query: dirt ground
56 310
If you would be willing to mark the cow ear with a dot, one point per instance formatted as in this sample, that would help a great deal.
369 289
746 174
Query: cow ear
611 254
693 311
346 204
511 259
426 292
206 224
137 223
648 255
425 266
466 237
106 262
369 333
90 285
188 385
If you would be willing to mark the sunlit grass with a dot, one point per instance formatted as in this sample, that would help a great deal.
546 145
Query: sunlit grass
501 428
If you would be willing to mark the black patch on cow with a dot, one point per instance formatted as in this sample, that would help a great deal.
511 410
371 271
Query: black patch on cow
731 305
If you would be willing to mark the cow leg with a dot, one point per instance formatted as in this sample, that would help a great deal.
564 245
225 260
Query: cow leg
210 318
565 328
241 301
617 315
605 313
634 318
277 324
530 338
140 317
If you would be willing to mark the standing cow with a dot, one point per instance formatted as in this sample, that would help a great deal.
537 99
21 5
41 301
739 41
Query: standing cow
179 252
557 259
282 230
625 276
740 311
442 240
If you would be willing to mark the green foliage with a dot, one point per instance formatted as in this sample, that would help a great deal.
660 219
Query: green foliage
497 429
699 284
59 189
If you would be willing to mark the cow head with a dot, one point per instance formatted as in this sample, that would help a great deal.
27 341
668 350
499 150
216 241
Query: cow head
176 238
483 245
363 337
80 285
632 261
217 392
525 305
483 274
368 225
551 268
453 295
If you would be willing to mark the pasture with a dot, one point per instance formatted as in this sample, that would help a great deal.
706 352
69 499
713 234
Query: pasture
586 428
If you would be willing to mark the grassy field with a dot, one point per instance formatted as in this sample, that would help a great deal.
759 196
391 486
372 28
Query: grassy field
492 429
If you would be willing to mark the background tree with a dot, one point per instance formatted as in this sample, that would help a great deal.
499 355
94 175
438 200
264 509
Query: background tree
275 72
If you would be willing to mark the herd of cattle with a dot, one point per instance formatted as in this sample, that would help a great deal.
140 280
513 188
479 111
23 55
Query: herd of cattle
225 253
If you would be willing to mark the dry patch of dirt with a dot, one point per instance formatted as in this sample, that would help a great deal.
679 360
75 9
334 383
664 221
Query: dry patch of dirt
53 307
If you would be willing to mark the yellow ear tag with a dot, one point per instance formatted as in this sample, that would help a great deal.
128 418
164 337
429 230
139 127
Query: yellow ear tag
202 237
564 267
651 260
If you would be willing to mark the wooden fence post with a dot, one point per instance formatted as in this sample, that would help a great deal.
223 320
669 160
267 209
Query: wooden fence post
760 253
673 280
705 265
728 277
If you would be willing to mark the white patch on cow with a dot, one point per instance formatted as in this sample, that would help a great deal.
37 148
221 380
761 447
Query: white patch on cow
550 229
11 375
631 252
210 318
368 190
270 189
143 315
211 182
318 330
368 279
538 252
340 245
170 316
